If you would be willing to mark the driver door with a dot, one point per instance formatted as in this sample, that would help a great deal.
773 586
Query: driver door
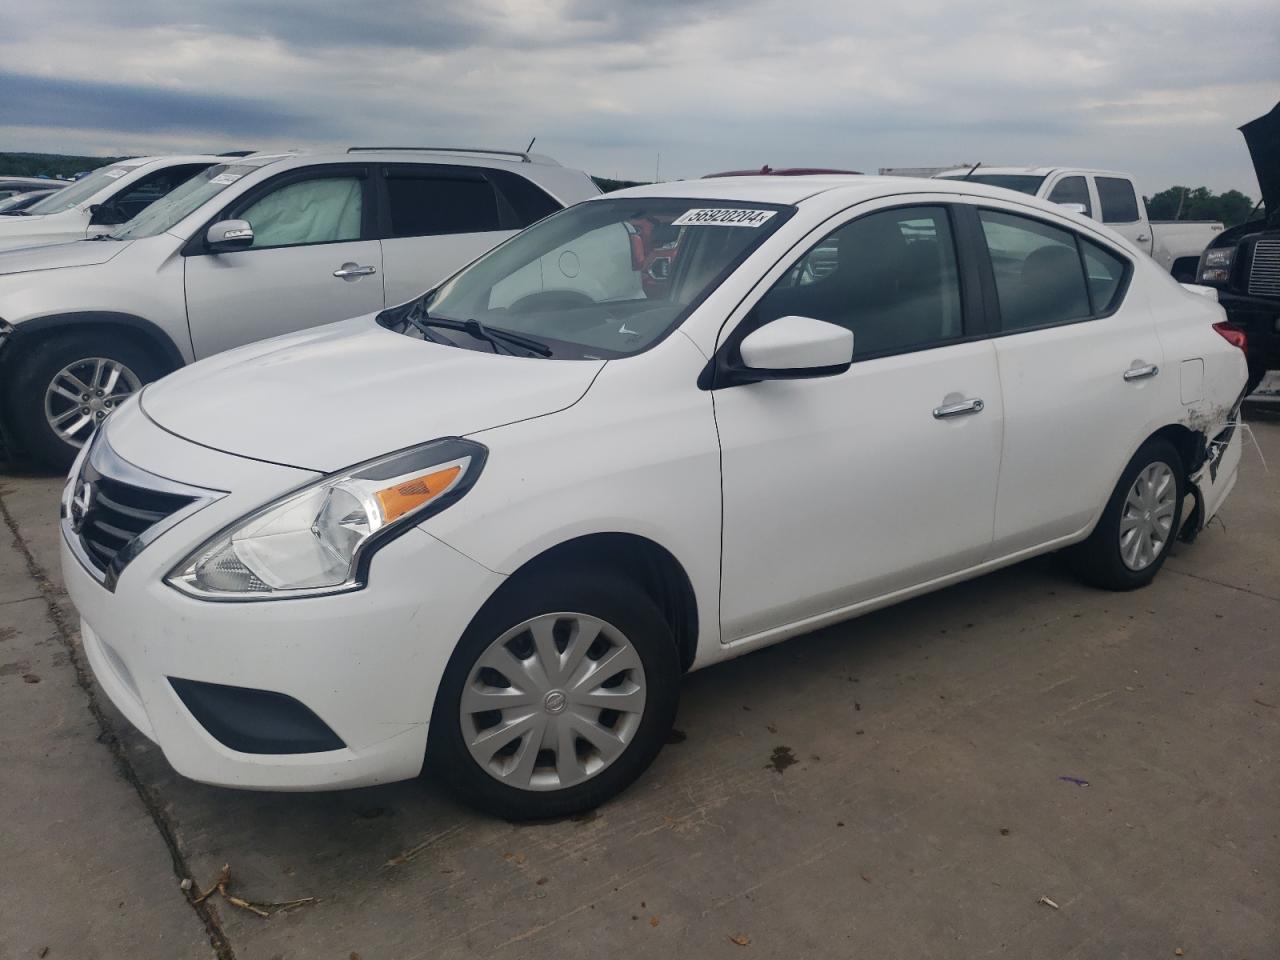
847 488
314 260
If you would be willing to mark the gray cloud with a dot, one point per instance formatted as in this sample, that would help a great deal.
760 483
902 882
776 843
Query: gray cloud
33 101
1156 87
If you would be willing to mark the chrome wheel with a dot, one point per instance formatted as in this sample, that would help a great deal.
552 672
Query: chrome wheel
82 393
1146 523
553 701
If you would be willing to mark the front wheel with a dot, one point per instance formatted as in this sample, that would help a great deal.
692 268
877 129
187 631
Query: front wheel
561 692
1139 523
65 386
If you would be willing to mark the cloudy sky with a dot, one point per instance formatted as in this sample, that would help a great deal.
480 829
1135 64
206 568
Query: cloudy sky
1156 88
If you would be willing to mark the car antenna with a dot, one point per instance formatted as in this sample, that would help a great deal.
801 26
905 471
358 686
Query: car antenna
971 169
530 146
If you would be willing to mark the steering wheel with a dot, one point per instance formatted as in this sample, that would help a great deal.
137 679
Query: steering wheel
551 300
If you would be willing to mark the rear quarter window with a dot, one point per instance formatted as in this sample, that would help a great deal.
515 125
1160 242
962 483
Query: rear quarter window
528 201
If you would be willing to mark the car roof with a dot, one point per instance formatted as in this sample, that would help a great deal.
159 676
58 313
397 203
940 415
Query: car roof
1028 171
167 159
33 180
767 170
459 156
793 190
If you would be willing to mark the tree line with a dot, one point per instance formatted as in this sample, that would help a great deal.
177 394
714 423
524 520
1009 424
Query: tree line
1200 203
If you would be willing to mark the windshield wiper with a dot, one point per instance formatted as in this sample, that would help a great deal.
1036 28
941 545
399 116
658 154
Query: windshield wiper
507 338
495 338
423 325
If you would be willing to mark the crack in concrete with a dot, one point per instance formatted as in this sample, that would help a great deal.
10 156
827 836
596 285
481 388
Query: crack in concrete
1219 583
48 592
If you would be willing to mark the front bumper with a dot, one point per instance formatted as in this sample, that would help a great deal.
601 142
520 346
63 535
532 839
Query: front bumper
367 663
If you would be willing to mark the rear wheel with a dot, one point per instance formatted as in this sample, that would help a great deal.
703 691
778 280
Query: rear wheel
560 694
1139 523
66 385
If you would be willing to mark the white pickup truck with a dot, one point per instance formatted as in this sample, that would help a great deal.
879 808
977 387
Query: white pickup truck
1111 198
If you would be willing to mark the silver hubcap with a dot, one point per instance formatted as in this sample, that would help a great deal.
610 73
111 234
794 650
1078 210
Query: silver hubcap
1147 520
553 701
81 395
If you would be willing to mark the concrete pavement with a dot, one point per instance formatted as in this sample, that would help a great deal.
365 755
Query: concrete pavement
904 785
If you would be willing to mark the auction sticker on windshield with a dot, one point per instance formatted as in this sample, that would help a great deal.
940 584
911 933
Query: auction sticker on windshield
224 179
722 217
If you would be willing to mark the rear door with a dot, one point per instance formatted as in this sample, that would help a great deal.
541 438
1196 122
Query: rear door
1077 358
1121 210
315 259
437 218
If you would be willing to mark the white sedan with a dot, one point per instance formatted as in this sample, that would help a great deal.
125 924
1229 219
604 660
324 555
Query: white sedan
493 526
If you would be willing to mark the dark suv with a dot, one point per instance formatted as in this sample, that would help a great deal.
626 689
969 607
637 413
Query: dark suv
1243 263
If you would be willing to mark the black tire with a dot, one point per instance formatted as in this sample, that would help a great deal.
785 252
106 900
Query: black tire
607 597
35 370
1098 560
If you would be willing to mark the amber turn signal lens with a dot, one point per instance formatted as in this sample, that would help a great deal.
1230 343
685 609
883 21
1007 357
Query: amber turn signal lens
410 494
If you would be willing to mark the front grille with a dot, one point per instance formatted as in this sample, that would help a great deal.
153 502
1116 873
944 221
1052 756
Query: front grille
117 513
1264 274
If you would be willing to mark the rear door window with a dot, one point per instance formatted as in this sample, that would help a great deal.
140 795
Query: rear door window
1119 202
426 204
1038 273
1073 190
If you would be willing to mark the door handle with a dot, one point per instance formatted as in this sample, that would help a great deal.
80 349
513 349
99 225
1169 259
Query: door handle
1141 373
352 271
961 409
1143 237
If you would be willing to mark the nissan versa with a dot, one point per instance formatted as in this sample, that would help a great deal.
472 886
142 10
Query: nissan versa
492 526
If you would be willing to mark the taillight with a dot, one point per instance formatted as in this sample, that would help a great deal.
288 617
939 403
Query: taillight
1232 334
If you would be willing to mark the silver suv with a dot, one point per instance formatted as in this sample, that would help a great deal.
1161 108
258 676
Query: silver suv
100 201
248 249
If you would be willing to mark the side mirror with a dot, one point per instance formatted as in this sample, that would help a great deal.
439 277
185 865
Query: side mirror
793 348
227 235
105 215
1079 208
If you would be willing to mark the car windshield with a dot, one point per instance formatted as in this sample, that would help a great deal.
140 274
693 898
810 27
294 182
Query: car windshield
81 190
181 201
1022 182
606 278
21 201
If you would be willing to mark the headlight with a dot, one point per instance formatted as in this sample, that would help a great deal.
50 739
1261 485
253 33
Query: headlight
1215 265
318 539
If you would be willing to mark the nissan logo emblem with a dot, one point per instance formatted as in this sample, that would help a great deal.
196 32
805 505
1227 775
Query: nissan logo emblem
81 501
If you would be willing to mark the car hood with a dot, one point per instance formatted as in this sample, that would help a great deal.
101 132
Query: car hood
1263 138
51 256
347 392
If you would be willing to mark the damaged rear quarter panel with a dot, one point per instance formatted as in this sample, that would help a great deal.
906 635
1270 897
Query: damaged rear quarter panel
1184 323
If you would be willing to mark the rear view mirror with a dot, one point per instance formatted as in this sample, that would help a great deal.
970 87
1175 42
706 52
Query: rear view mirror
791 348
227 235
